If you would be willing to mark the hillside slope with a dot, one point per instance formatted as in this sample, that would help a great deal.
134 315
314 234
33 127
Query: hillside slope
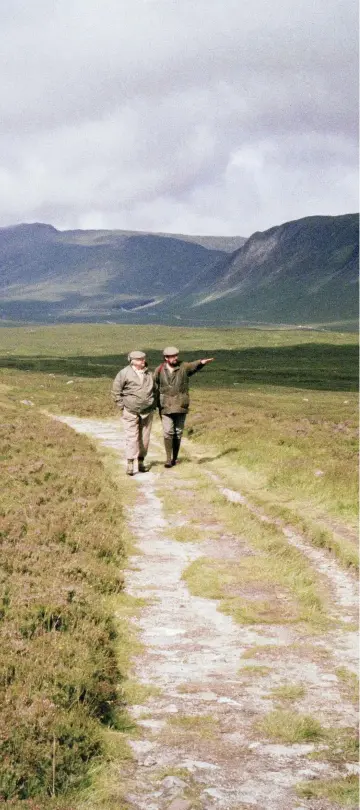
301 272
50 275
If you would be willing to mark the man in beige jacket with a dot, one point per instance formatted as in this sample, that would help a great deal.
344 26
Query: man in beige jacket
133 393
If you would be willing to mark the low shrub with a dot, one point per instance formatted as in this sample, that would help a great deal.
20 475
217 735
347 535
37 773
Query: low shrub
61 551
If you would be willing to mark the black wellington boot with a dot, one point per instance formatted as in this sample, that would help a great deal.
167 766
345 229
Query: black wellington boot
168 450
175 449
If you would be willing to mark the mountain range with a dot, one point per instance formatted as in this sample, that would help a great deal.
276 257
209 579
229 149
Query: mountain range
303 272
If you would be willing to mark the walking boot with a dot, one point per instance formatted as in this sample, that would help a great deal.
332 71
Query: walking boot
168 450
142 467
175 449
130 466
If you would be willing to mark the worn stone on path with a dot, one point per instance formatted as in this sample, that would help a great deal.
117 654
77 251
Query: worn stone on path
149 761
207 696
179 804
173 781
215 794
172 709
352 767
195 764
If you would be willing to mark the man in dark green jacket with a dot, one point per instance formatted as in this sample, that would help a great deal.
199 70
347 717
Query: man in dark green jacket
172 389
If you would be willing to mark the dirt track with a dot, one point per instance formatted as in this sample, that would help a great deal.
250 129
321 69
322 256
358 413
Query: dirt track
199 746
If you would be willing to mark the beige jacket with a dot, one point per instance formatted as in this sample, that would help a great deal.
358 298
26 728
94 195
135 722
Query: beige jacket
134 392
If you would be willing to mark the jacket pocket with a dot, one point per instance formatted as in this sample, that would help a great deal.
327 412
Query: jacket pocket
127 414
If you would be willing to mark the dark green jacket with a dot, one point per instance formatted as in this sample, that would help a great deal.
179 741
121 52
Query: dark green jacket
172 388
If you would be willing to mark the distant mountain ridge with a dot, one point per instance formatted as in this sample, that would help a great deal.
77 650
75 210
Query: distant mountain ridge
300 272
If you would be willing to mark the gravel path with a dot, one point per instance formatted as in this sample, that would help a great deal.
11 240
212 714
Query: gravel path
199 746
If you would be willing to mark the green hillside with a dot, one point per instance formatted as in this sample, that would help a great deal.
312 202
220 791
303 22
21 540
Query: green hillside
300 273
303 272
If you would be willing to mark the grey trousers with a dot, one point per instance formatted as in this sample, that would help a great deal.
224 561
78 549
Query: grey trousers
137 433
173 424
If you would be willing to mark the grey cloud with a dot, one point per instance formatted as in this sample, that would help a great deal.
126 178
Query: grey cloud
188 115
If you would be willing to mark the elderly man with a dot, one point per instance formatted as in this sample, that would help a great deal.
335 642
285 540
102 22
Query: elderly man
172 386
133 393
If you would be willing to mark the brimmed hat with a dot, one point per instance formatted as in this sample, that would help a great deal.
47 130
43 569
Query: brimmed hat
170 351
136 356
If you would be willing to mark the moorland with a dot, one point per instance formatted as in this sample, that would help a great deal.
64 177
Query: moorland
275 416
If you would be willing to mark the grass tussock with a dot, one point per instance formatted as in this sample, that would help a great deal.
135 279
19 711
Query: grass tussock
343 791
191 533
345 551
288 692
61 558
204 725
349 683
338 745
290 727
260 651
341 746
252 670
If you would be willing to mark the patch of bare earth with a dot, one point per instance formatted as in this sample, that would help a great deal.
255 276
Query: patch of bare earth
199 743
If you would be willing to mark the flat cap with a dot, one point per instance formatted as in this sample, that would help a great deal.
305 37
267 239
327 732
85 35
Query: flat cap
170 350
136 355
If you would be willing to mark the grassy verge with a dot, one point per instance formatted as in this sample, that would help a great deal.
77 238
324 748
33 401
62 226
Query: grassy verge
266 581
295 458
321 536
61 559
271 583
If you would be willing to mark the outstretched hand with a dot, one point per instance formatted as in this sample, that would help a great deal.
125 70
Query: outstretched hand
207 360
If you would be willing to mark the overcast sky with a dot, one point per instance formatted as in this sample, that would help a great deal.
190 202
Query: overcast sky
185 116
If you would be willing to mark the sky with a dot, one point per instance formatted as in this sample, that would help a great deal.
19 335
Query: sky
181 116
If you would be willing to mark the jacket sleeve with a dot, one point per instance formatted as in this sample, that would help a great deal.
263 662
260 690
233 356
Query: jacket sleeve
117 389
156 378
192 368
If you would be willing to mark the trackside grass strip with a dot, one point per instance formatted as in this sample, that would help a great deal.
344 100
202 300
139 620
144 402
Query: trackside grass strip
61 560
249 590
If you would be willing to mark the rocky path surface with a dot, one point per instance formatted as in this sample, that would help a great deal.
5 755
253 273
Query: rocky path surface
200 747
